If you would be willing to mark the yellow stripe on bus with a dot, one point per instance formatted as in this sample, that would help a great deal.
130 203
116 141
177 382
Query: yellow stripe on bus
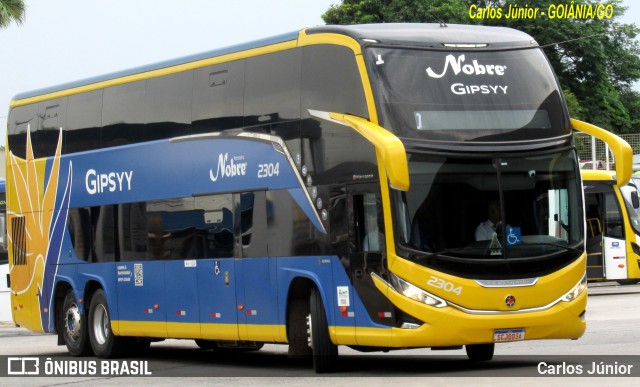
161 329
158 73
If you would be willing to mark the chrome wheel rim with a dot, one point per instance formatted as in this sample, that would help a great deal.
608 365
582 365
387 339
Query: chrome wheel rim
309 332
72 322
101 327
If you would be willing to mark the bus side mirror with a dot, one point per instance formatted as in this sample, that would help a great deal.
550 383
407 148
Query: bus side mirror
635 201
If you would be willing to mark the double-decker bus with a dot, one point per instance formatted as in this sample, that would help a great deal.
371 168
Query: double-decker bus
5 300
321 188
613 228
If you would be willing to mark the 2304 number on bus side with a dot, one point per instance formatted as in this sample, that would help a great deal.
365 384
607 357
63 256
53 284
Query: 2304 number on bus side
439 283
268 170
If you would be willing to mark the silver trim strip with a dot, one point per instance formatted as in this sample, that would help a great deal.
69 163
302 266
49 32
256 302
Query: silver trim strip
512 283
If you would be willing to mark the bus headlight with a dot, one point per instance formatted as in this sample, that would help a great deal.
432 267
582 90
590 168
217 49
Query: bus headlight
576 291
414 292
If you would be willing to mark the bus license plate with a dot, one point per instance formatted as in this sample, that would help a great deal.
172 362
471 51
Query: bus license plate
503 335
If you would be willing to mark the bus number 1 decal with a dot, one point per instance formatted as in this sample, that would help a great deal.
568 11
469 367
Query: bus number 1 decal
439 283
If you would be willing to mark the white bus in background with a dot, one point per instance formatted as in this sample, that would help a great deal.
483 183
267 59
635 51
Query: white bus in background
612 215
5 300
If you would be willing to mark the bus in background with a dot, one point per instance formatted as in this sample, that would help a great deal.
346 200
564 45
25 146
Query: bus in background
321 188
613 228
5 300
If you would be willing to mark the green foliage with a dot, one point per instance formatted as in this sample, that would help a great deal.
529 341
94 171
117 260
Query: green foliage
11 11
631 100
399 11
596 60
575 110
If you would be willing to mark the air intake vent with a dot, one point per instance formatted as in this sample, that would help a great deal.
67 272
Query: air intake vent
19 238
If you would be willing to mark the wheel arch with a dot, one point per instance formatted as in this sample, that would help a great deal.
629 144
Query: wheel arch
61 289
59 293
89 290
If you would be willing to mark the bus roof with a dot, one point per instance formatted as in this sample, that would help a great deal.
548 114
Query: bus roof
160 65
409 34
431 35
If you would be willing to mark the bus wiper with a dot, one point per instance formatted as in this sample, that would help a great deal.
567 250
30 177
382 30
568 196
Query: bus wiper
481 250
568 248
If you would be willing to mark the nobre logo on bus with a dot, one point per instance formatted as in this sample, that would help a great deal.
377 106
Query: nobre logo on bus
111 181
474 68
229 167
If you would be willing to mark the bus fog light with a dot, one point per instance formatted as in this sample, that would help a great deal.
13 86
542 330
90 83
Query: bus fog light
576 291
407 325
415 293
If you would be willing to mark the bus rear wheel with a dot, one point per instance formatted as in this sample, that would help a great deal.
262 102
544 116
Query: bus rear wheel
325 353
480 352
74 327
104 343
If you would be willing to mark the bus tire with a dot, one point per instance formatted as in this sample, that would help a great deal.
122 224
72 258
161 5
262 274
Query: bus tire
480 352
297 328
104 343
73 324
325 353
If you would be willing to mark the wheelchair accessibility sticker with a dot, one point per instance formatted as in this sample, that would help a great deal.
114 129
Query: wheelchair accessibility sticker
513 235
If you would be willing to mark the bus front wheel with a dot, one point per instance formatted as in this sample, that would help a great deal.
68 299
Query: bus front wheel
74 327
480 352
104 343
325 353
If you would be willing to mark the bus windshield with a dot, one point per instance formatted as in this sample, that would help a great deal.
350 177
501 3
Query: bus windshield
482 216
481 96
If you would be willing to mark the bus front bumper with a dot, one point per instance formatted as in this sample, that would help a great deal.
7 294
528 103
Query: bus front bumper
449 326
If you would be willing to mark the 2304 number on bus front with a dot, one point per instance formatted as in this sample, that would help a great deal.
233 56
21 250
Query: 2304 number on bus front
439 283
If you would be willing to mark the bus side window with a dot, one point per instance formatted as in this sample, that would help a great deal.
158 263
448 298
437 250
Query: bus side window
368 227
80 232
133 231
594 225
253 224
613 217
217 229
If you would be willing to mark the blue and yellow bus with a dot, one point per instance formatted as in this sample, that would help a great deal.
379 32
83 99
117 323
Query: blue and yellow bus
5 300
320 188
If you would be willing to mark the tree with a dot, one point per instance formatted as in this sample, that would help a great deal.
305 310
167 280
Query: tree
596 59
11 11
378 11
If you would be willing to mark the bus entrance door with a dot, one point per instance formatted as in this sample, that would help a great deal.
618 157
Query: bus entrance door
615 258
367 255
217 297
217 274
606 246
256 289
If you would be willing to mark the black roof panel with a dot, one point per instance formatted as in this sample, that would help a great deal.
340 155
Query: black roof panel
435 35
